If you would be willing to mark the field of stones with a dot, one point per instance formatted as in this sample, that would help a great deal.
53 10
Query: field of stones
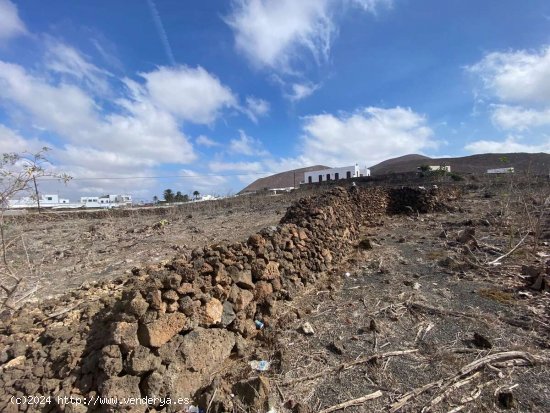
353 299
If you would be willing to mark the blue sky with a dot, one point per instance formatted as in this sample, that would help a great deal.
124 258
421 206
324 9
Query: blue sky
223 92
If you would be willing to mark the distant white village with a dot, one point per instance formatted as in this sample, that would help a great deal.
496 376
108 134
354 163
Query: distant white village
55 202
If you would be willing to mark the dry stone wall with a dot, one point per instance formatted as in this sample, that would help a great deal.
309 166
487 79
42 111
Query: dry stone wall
167 331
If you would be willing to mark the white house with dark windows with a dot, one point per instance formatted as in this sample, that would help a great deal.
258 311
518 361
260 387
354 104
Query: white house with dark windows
509 170
336 174
46 201
55 202
106 201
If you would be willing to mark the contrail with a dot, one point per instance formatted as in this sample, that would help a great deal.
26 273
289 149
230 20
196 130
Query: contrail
161 32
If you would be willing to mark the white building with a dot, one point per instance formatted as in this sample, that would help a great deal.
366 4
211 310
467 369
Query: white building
106 201
445 168
335 174
46 201
501 171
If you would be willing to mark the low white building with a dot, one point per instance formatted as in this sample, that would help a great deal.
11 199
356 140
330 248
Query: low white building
501 171
106 201
46 201
445 168
336 174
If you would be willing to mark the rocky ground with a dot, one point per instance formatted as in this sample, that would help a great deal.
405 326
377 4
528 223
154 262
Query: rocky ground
414 310
58 251
363 299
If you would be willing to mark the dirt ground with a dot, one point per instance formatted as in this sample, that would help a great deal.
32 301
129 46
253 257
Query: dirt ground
432 312
57 252
415 292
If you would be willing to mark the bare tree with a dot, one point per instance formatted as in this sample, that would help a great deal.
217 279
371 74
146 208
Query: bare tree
18 175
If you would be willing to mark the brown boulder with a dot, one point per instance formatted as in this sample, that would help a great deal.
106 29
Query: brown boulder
137 306
170 296
160 331
254 393
271 271
111 360
125 335
206 349
212 312
241 298
155 299
263 290
142 360
119 388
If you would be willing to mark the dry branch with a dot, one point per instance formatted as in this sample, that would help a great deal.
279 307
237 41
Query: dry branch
463 374
495 261
353 402
344 366
425 307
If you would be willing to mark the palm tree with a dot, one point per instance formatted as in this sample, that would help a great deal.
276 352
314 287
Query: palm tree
155 199
196 194
179 197
168 195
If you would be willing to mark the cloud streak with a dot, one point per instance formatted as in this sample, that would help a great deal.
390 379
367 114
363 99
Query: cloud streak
161 32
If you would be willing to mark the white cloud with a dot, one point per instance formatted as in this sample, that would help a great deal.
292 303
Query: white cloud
271 32
372 5
275 33
256 108
62 107
64 59
246 145
369 135
204 140
192 95
144 131
519 118
517 83
510 144
301 91
516 76
12 141
204 183
217 166
10 23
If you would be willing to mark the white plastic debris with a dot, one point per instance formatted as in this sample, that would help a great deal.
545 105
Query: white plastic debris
348 274
308 329
259 365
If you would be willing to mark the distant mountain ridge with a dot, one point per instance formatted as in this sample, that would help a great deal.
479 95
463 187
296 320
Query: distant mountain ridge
286 179
535 163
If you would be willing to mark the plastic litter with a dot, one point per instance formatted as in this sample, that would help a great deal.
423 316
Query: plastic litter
307 328
260 365
348 274
259 324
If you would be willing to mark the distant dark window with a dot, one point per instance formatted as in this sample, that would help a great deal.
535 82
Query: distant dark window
309 179
320 178
328 177
49 198
348 174
336 176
